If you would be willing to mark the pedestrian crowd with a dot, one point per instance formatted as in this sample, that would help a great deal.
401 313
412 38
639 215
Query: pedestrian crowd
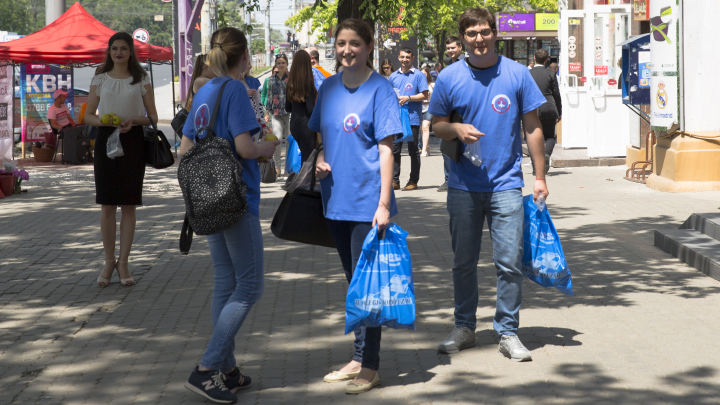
349 121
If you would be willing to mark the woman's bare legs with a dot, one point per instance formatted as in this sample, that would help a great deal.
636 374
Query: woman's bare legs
425 136
108 227
127 233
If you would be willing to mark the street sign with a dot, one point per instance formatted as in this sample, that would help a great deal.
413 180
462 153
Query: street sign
159 17
141 35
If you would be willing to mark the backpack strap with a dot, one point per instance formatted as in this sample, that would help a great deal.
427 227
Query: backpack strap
209 129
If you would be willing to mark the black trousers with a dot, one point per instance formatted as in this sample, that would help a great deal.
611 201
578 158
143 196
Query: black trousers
414 153
548 127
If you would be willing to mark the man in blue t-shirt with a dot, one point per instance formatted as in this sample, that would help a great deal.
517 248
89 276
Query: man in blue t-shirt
411 86
493 95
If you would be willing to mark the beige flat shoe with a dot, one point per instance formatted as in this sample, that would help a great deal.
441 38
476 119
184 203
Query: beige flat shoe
358 388
337 376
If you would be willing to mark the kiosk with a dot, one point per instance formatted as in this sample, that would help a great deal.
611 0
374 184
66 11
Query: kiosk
594 116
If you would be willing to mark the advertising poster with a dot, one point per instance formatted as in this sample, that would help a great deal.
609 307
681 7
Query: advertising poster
6 109
390 43
516 22
576 49
664 93
547 22
640 10
38 82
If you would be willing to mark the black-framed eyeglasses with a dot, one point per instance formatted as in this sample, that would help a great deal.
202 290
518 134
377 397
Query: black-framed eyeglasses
473 34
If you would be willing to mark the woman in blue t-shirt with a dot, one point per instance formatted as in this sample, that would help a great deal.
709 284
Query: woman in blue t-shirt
356 117
237 252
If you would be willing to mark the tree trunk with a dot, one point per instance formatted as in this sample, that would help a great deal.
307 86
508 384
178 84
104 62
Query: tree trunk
351 9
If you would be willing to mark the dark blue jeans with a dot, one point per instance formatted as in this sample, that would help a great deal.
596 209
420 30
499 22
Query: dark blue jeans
349 237
505 216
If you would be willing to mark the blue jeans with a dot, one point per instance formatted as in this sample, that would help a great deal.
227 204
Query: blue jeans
349 237
237 255
505 216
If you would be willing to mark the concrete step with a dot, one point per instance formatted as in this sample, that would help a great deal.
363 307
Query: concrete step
708 224
577 158
692 247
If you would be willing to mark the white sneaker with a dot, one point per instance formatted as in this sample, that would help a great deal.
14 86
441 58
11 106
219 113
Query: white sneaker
510 346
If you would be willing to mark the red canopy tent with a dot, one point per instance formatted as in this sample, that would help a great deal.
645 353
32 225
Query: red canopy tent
77 39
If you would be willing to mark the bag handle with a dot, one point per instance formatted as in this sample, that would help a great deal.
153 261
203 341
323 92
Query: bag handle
211 125
318 149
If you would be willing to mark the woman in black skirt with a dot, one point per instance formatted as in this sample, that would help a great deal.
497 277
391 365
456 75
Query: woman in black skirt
123 88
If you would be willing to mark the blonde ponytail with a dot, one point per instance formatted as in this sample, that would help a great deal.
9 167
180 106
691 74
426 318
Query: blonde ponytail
227 47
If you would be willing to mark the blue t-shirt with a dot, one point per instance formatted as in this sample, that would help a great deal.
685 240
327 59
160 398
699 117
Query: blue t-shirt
352 123
409 84
318 78
253 82
493 100
235 117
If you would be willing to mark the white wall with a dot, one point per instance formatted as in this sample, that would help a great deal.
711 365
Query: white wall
701 65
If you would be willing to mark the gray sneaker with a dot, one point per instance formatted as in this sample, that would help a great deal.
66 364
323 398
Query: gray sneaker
459 339
511 347
444 187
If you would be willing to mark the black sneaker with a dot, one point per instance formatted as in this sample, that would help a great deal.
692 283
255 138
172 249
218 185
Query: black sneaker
444 187
211 385
235 381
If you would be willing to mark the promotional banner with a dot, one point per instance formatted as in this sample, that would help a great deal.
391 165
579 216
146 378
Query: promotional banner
664 89
390 43
38 82
516 22
6 109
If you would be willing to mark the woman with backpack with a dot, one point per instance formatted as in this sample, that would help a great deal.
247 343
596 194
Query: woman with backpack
237 251
357 117
121 87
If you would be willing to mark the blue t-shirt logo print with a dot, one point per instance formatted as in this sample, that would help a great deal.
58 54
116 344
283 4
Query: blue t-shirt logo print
408 87
501 103
351 122
201 117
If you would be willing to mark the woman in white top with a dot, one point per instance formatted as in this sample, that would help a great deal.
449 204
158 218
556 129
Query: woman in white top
427 118
121 87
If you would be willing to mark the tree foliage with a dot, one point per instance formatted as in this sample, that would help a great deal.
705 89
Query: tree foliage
423 18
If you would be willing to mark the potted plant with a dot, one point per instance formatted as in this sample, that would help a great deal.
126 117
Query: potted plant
20 175
7 179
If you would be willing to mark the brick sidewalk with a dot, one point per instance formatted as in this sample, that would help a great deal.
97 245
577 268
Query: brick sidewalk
642 328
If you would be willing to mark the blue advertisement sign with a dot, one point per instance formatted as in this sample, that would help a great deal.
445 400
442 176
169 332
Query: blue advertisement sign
38 82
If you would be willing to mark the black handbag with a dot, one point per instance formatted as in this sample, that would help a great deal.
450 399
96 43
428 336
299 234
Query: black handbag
300 216
452 149
178 121
157 148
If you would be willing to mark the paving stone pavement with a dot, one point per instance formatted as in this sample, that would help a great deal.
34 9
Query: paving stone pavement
642 328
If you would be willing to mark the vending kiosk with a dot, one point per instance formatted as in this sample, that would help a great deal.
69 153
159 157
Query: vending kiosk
594 116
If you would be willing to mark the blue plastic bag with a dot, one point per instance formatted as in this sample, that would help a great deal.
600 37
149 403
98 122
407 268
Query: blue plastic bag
381 291
293 162
405 121
543 257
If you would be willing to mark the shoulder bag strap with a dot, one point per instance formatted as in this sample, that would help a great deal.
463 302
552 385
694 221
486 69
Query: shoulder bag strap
211 125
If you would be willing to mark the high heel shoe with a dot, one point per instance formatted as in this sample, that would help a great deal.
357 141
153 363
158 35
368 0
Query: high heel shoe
127 282
104 282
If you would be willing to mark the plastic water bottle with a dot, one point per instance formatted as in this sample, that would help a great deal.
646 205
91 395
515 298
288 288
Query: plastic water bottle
540 203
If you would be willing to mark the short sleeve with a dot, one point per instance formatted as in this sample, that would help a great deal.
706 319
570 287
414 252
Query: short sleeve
145 81
440 105
530 95
241 116
98 81
386 116
422 83
315 118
